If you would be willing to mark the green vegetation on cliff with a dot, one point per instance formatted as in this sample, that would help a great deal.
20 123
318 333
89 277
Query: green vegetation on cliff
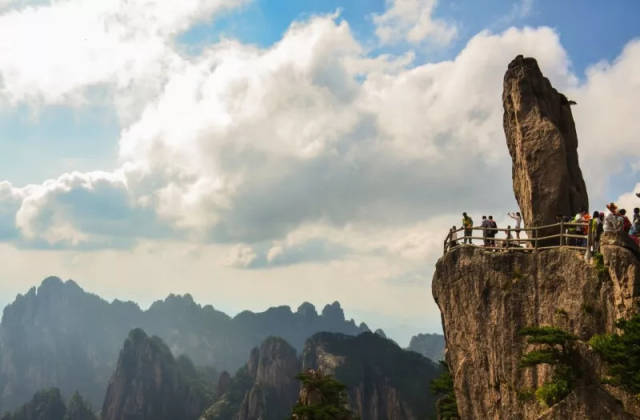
622 354
557 351
446 406
322 398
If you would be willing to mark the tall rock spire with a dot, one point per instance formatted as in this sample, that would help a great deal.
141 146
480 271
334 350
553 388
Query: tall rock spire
543 144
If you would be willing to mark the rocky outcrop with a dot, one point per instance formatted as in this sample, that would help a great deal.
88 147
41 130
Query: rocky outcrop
542 141
487 298
150 384
273 367
383 381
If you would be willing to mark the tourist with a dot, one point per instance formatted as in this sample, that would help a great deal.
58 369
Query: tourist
453 238
611 221
485 225
493 229
508 239
635 227
575 229
518 218
467 223
596 231
626 223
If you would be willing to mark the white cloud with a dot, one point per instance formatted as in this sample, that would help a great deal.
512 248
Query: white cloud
247 145
607 122
629 201
66 51
413 21
240 256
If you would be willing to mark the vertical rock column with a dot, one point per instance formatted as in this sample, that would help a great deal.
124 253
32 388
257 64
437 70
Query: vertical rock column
542 141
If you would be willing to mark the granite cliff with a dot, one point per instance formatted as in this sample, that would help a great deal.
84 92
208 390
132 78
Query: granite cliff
150 384
383 381
273 368
489 299
542 140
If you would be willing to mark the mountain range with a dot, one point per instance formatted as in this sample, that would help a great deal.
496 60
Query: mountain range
58 335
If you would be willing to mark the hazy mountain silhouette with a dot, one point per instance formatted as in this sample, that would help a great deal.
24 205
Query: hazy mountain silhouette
58 335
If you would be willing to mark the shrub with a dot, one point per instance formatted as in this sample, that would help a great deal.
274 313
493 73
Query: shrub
446 406
329 402
621 352
557 351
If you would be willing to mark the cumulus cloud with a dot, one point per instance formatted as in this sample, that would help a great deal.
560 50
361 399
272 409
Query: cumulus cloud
413 21
115 48
10 201
607 122
306 149
83 210
257 143
247 145
629 201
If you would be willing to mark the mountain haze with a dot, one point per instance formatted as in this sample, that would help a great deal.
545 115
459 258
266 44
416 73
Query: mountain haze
59 335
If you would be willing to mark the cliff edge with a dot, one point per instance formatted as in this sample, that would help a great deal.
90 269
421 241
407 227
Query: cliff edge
489 300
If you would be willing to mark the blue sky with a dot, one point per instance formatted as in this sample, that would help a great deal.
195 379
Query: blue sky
257 153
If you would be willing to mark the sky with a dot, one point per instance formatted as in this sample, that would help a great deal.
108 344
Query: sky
257 153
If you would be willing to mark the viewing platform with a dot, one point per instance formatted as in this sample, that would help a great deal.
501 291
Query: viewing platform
562 234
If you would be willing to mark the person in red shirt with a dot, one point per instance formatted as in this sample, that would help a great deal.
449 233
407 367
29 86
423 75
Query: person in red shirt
626 223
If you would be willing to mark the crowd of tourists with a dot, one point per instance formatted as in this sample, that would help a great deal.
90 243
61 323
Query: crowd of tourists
577 230
489 231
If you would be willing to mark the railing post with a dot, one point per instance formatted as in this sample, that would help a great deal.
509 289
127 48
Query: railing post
561 232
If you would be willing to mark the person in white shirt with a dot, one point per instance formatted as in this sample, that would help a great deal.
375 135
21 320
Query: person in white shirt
518 218
453 240
612 222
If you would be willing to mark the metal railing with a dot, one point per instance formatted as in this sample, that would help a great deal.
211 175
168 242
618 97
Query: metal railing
563 234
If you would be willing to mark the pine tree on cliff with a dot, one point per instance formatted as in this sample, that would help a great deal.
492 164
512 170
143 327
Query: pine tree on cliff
322 397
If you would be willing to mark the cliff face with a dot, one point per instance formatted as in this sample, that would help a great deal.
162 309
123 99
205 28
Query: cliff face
150 384
384 382
487 298
542 141
273 368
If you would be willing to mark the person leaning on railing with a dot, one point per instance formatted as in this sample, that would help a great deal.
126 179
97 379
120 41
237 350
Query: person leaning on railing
453 238
467 224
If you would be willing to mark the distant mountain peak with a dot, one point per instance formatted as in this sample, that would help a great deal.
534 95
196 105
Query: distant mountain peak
333 311
307 310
